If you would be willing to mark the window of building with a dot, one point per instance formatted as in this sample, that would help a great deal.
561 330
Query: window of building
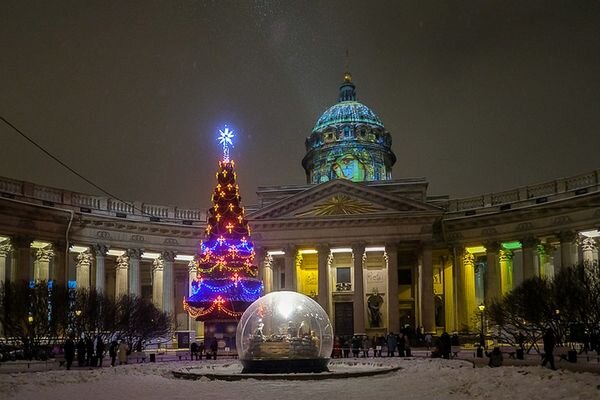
343 280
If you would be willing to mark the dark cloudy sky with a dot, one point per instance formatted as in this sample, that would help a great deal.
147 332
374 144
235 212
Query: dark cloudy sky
479 96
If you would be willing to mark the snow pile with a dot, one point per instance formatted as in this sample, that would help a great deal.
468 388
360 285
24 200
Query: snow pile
418 379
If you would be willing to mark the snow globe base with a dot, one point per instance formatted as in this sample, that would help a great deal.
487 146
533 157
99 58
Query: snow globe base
285 366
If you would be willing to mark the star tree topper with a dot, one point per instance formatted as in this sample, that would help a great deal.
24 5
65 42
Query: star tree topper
225 139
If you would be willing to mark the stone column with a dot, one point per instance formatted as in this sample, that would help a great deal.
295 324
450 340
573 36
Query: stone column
290 268
82 269
5 253
588 245
391 254
358 257
157 282
168 282
100 252
121 269
59 271
268 273
135 285
427 296
23 249
568 249
192 273
467 279
41 265
506 269
530 259
546 260
323 279
492 276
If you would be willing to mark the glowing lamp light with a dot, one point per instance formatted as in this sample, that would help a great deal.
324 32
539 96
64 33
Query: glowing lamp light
285 308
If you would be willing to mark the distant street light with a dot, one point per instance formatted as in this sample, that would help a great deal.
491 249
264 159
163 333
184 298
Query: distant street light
78 313
482 335
30 319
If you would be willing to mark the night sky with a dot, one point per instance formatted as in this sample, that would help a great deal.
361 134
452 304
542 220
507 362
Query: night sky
479 96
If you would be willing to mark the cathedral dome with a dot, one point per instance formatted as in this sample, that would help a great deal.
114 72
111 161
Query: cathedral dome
347 112
349 141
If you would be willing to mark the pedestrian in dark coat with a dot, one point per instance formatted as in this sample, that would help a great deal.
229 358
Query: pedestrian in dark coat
99 350
81 352
69 352
549 343
201 350
214 347
89 351
446 345
112 352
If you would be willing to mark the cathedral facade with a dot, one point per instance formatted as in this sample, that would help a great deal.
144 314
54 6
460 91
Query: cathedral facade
378 253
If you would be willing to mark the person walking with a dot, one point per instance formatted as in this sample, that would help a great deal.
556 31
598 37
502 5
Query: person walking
445 345
89 351
392 342
112 352
122 352
549 343
194 351
214 347
99 350
81 352
201 350
69 352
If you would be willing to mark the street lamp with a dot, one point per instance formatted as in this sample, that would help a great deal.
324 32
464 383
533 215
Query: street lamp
30 319
78 313
482 337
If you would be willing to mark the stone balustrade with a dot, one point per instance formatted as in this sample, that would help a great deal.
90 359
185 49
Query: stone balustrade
105 206
558 189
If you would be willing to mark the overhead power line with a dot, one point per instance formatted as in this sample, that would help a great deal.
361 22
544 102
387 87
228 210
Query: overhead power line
33 142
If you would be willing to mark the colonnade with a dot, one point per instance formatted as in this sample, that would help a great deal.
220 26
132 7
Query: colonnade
356 257
26 259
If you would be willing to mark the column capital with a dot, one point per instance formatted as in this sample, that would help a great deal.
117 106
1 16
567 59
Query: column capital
468 259
84 259
100 249
158 264
492 247
530 241
5 248
192 266
588 244
122 262
567 236
168 255
358 247
44 255
136 254
505 255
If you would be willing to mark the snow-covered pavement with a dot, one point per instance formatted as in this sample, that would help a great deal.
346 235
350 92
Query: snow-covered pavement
418 379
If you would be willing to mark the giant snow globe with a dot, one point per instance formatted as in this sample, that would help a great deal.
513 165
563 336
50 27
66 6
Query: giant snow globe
284 332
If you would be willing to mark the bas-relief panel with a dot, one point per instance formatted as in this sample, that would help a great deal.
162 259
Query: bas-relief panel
376 281
309 282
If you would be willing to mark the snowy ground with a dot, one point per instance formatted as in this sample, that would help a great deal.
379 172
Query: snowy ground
418 379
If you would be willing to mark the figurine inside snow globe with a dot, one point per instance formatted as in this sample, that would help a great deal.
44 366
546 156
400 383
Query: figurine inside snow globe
284 332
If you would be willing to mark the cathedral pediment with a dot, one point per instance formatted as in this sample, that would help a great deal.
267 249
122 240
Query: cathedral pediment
341 198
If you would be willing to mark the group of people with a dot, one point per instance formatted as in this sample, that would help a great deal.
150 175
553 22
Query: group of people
90 352
197 350
361 345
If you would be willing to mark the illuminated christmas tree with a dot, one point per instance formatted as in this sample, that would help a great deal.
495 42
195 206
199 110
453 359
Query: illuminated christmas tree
226 282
